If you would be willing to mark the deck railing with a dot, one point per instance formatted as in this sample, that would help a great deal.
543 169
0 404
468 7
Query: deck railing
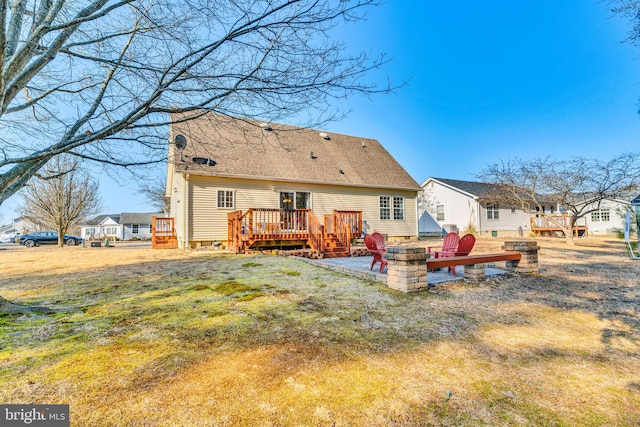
234 231
352 218
343 231
300 224
354 221
557 223
316 233
163 235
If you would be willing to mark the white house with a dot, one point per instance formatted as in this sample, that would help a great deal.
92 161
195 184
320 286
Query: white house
124 226
18 226
609 217
461 206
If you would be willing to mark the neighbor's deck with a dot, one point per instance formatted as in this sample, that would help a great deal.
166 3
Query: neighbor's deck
553 226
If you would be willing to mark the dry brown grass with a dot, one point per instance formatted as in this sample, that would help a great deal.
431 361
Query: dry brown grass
206 339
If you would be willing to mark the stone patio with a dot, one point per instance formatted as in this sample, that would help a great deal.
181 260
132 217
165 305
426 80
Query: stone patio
359 267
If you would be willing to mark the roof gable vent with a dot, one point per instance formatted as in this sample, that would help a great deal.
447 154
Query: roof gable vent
204 161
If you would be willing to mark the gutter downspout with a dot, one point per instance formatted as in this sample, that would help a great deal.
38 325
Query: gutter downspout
479 214
186 211
417 218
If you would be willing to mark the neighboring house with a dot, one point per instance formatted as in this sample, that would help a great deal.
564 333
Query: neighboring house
125 226
462 206
220 165
19 226
609 218
102 226
457 205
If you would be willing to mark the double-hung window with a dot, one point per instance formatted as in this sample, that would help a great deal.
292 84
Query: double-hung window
440 213
493 210
601 215
385 207
392 208
225 199
398 208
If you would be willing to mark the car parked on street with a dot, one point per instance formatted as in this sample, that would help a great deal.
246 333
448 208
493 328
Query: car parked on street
47 238
8 238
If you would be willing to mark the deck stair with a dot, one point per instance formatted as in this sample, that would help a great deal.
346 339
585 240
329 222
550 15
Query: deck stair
333 248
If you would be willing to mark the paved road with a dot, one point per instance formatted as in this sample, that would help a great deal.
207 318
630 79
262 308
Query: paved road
16 246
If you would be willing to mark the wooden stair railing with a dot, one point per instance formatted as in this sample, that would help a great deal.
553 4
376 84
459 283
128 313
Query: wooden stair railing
353 219
235 231
316 233
343 232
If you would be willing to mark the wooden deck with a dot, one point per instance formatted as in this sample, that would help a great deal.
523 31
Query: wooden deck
163 235
551 227
261 227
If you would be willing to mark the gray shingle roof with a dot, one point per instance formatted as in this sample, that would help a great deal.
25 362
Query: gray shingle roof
242 148
478 189
137 218
98 219
125 218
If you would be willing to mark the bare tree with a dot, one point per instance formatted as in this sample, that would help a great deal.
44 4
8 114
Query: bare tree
577 186
97 78
61 200
154 192
631 10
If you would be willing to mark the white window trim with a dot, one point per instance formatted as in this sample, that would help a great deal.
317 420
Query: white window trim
495 208
295 192
233 198
393 199
601 215
391 208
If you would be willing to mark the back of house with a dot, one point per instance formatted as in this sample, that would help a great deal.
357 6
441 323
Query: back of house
219 165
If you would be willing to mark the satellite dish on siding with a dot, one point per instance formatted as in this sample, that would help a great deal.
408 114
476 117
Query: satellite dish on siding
325 136
180 141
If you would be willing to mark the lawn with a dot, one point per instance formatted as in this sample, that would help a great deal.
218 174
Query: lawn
167 337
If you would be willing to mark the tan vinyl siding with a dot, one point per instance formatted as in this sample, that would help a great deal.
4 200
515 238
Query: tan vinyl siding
210 223
328 198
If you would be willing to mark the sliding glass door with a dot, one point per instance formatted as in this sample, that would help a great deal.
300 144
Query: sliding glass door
290 201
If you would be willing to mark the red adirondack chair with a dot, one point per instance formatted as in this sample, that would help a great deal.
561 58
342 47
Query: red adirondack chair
449 244
465 245
379 238
375 252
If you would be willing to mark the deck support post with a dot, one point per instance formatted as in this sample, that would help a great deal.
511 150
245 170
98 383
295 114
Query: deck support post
528 262
407 268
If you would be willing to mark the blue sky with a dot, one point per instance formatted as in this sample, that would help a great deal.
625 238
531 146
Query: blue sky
489 81
501 79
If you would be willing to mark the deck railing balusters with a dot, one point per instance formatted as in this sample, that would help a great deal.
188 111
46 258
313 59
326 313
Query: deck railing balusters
244 229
